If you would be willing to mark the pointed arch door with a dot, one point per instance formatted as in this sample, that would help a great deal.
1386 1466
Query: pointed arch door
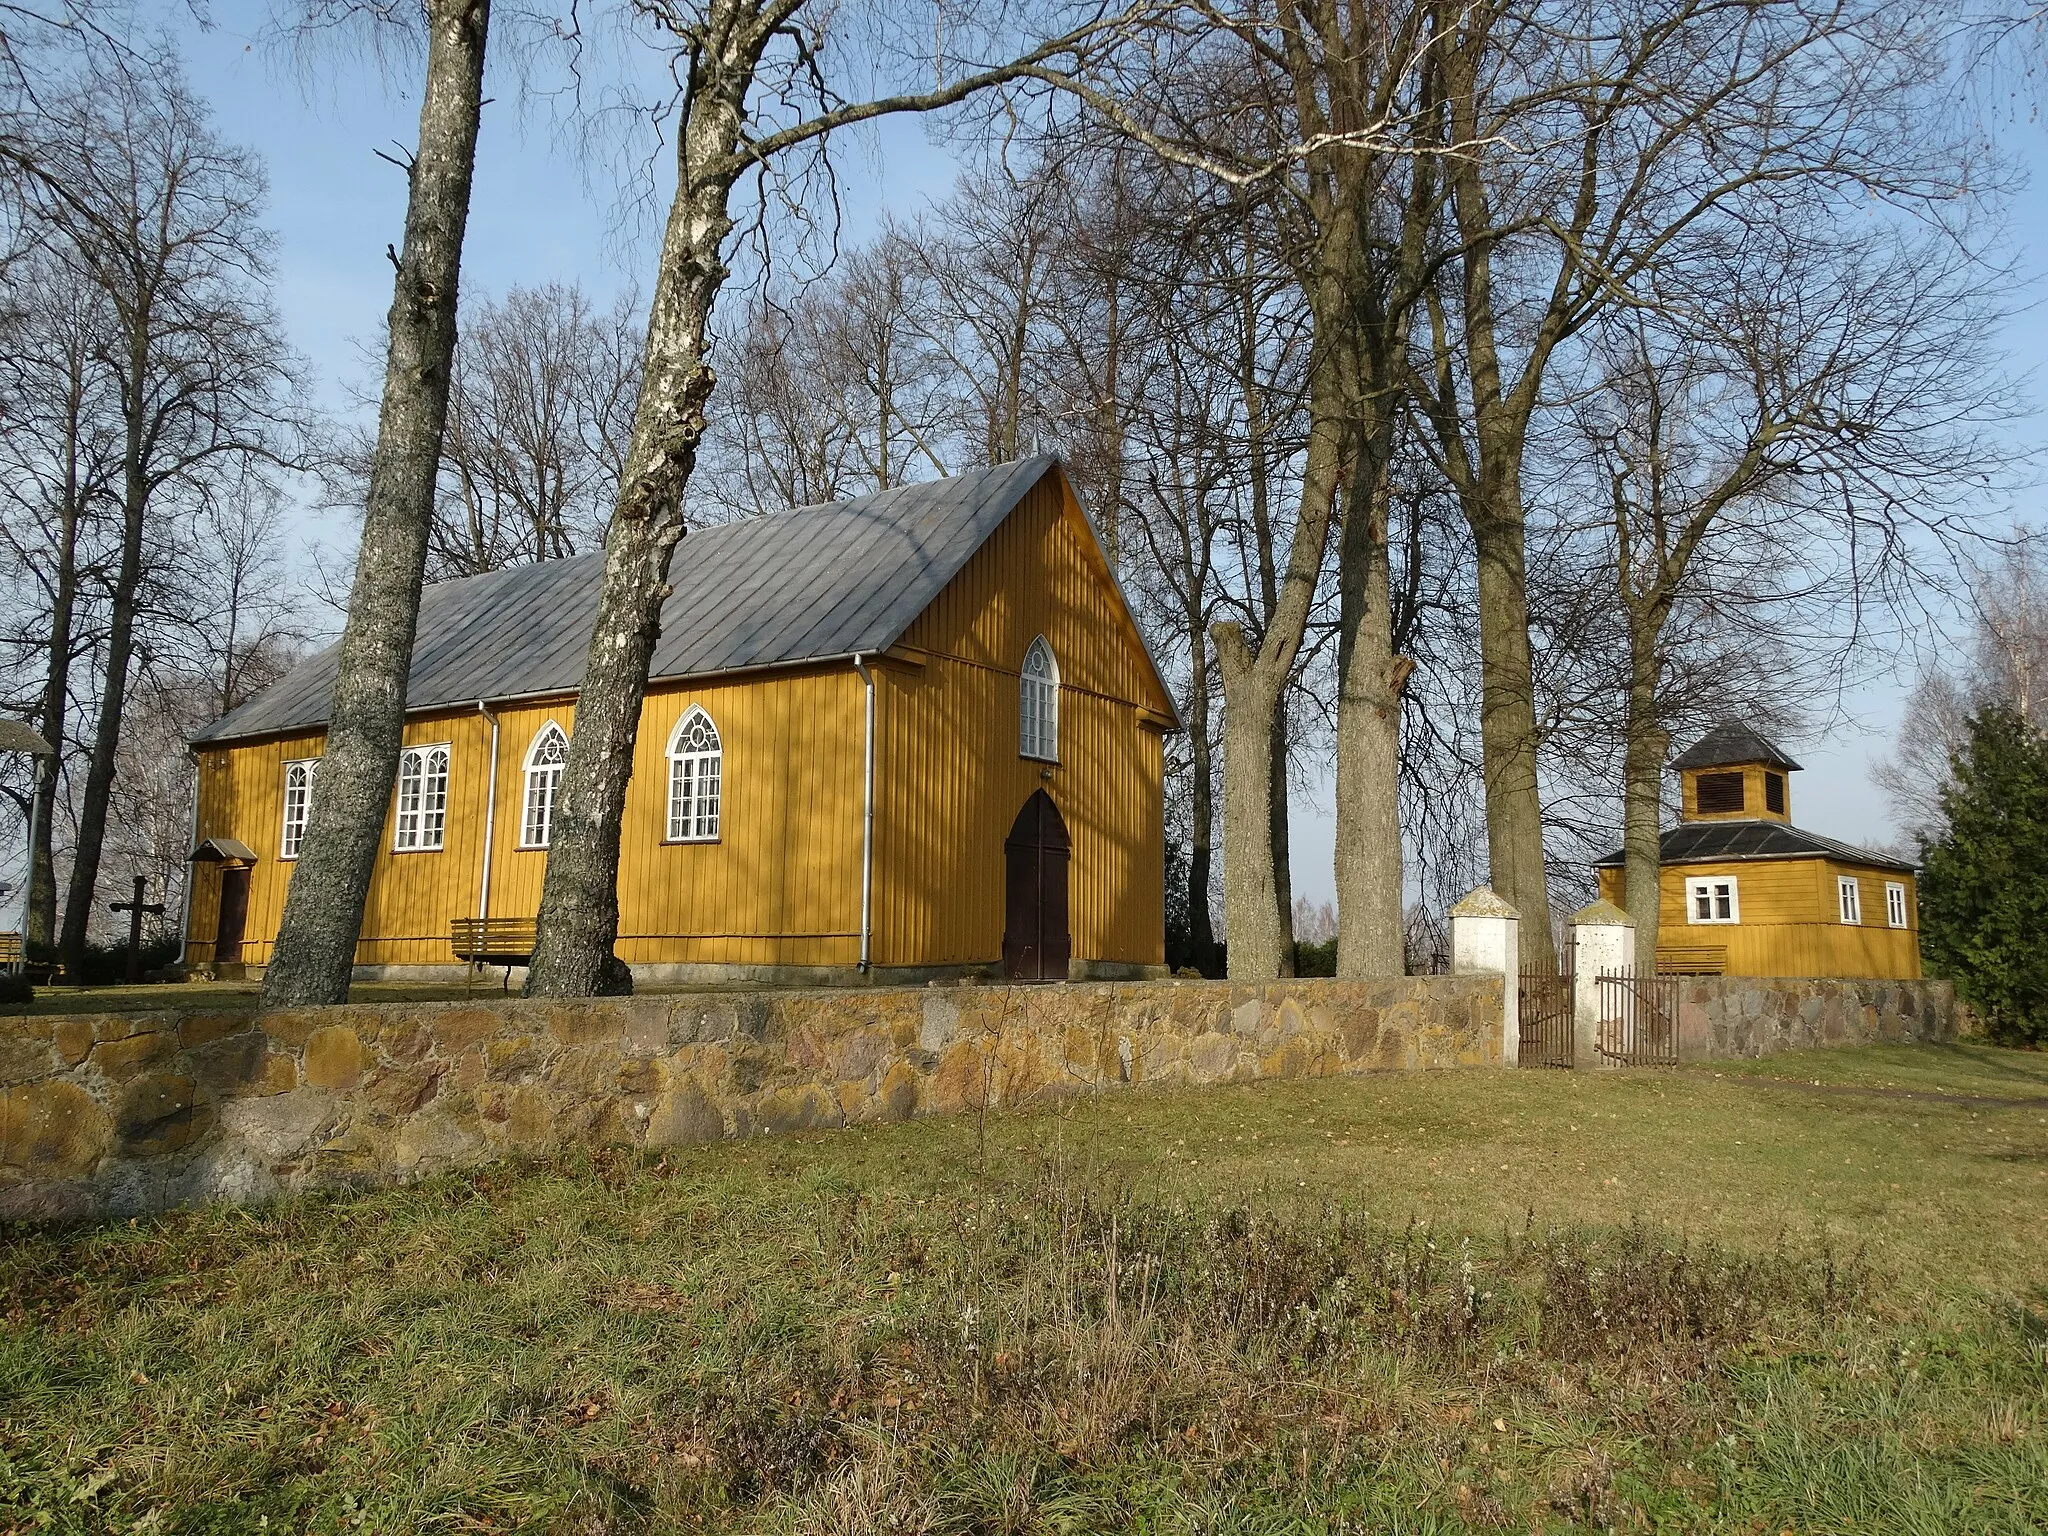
1036 943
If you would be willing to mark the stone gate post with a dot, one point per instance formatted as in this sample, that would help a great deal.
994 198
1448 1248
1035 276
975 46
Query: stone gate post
1603 943
1486 939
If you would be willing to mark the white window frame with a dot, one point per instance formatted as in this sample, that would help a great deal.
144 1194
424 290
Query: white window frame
1896 913
1038 703
542 767
292 833
696 775
1849 900
419 815
1715 890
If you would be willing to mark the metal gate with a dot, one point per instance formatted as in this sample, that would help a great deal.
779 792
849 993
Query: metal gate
1545 1005
1638 1018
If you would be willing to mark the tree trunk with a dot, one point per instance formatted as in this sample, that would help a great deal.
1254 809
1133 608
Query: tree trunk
323 915
1489 484
106 741
1642 812
1507 729
1279 835
579 905
1254 687
1202 808
1250 891
39 925
1370 679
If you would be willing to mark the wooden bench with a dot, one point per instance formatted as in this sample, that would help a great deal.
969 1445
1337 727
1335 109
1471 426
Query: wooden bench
506 941
492 940
14 957
1692 960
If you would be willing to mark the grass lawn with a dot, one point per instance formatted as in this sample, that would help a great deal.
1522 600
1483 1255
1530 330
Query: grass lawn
1713 1300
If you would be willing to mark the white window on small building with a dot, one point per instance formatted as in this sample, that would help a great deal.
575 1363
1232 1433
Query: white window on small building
421 820
544 760
298 801
1712 901
1895 903
695 767
1850 896
1038 704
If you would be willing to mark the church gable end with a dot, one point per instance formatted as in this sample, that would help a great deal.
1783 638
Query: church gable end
1042 573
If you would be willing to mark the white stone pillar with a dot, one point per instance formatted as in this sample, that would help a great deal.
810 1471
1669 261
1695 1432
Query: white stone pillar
1486 940
1603 943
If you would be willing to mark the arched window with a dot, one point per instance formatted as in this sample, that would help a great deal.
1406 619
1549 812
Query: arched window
1038 704
544 761
298 803
695 767
421 819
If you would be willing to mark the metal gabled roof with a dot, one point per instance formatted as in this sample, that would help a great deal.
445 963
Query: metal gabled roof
1700 842
807 585
1732 742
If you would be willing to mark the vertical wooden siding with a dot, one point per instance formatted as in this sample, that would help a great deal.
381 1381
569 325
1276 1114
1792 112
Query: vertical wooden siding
951 779
781 886
1791 922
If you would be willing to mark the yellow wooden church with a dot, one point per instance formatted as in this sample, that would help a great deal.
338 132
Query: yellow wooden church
909 735
1743 892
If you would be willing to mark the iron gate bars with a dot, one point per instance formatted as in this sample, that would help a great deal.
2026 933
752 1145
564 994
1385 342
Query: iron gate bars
1545 999
1638 1019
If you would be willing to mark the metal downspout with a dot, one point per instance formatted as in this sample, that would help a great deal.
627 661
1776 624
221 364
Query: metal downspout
867 820
483 895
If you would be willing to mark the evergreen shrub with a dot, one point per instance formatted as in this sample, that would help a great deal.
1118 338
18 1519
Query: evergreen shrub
1984 879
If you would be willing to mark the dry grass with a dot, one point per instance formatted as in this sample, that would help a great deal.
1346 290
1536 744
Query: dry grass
1685 1303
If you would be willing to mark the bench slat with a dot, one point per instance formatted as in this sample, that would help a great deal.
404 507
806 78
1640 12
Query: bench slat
491 938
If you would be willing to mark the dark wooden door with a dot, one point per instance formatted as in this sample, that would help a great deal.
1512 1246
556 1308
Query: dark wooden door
1036 943
234 914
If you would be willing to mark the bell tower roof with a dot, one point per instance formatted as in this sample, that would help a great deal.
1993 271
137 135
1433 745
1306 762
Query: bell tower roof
1731 744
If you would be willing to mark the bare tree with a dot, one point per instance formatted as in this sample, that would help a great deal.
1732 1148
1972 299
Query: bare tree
833 389
990 259
158 220
753 92
316 941
1312 109
60 444
538 418
2003 661
1185 455
1687 123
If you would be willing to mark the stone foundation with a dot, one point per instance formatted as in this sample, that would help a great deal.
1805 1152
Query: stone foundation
118 1114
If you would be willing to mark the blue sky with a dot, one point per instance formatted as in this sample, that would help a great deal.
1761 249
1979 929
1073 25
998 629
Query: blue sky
540 212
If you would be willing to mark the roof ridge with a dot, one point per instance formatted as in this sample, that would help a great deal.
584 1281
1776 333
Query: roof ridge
1729 742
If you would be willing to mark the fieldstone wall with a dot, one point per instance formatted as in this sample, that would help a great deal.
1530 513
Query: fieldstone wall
1720 1017
116 1114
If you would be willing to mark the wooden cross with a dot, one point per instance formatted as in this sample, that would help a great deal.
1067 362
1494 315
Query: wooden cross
135 909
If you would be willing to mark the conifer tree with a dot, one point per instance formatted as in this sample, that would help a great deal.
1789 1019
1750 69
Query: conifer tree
1984 883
